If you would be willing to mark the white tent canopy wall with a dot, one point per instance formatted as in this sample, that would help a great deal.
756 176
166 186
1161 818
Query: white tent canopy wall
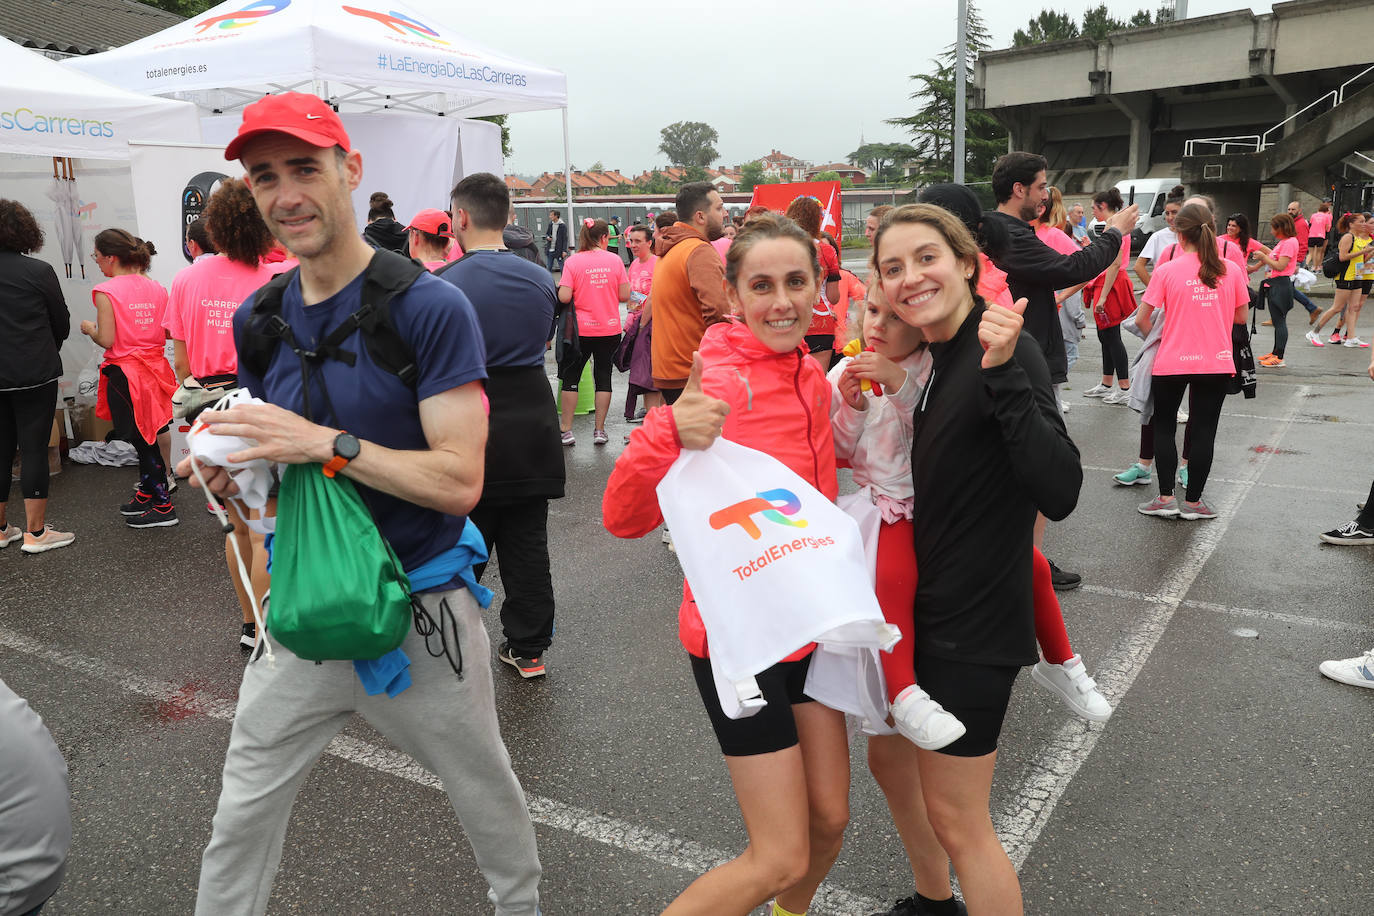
361 55
64 154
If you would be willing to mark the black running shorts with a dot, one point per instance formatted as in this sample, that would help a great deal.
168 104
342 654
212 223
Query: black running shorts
771 728
976 695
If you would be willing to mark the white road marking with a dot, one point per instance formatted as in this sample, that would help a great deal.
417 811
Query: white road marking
1029 808
1322 623
675 852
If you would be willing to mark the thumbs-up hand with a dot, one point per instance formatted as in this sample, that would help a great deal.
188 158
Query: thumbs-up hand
698 416
998 331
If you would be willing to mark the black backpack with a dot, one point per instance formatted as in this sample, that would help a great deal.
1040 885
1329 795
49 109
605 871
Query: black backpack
1332 265
388 274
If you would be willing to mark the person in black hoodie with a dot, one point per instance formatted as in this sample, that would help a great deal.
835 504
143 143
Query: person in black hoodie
33 323
1035 270
382 230
520 240
514 300
989 450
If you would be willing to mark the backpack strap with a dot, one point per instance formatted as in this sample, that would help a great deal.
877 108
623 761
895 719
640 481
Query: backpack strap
388 274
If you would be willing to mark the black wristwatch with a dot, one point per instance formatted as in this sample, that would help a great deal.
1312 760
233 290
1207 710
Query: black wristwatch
346 448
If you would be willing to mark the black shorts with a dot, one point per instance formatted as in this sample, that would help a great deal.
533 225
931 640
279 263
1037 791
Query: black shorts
1316 241
771 728
600 350
1362 285
976 695
816 342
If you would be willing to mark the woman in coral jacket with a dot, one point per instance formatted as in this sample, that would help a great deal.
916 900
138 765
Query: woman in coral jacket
753 382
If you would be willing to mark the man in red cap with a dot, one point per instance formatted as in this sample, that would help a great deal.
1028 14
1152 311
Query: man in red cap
431 231
414 449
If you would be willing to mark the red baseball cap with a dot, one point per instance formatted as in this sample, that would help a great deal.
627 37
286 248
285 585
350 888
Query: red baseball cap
435 222
297 114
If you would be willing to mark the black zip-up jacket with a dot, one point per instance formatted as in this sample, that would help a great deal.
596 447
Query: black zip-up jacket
989 449
385 232
1035 270
33 322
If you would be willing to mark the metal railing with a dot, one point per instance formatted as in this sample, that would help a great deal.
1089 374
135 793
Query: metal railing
1260 143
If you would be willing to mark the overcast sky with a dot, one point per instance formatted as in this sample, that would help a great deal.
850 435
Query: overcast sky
803 77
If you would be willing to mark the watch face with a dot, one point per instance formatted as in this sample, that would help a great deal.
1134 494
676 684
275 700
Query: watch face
194 197
346 446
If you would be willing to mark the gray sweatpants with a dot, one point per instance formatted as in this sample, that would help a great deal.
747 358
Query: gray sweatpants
287 715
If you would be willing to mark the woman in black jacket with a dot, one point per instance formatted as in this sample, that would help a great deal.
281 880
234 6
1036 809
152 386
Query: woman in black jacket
33 323
989 450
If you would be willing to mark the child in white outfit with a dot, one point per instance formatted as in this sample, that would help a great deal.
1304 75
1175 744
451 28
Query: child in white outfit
875 394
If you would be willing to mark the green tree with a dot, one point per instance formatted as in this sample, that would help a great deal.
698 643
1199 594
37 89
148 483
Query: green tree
659 183
751 173
875 157
687 143
1049 25
932 126
1098 23
597 167
694 173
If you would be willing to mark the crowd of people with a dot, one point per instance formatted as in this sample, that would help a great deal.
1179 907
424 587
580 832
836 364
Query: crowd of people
937 380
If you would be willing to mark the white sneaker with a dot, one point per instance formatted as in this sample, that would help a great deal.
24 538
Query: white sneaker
1097 391
668 540
1118 396
1314 339
1070 682
9 534
50 539
1357 672
1063 406
1353 342
924 722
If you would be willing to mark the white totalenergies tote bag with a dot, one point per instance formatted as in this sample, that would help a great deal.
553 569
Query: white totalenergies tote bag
772 563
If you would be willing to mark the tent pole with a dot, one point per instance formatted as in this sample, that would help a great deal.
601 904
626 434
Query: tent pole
567 169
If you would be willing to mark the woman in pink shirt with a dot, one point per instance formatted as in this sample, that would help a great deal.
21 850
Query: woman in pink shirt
594 281
1317 230
136 383
1282 262
1202 295
1111 298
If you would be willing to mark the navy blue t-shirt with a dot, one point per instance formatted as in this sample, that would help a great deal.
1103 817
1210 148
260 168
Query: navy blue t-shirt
515 301
438 323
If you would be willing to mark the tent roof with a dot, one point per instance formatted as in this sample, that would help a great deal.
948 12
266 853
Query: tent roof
373 54
47 109
80 26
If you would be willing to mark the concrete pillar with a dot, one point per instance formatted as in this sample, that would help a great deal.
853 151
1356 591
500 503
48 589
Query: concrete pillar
1136 107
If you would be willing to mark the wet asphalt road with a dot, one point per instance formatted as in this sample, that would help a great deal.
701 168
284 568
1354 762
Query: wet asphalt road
1232 778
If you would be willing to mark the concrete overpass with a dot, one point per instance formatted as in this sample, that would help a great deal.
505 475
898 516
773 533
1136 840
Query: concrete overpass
1127 106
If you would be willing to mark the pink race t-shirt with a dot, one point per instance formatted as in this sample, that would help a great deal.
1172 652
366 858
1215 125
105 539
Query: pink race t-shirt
1227 247
1286 247
139 304
641 280
1055 238
594 278
1197 327
200 311
722 245
1320 225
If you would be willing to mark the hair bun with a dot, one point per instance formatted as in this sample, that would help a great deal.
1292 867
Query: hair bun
380 199
148 247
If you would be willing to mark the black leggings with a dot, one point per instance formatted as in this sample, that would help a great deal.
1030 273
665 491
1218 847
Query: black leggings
25 422
1147 435
151 471
1208 394
1279 293
600 350
1114 360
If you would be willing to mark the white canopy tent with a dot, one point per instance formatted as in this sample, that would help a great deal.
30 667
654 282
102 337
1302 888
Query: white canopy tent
361 55
47 109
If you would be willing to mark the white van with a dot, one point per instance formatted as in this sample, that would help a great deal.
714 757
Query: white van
1149 194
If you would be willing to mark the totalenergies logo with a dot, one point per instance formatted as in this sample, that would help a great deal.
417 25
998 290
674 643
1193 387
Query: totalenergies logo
244 17
765 504
399 23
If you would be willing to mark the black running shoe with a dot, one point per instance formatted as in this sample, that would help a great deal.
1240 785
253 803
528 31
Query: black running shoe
249 637
1064 581
141 502
528 667
910 906
163 516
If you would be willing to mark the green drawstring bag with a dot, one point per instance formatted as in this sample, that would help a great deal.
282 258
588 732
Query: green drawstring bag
338 591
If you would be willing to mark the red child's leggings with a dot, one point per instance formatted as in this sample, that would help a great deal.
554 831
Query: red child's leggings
896 591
